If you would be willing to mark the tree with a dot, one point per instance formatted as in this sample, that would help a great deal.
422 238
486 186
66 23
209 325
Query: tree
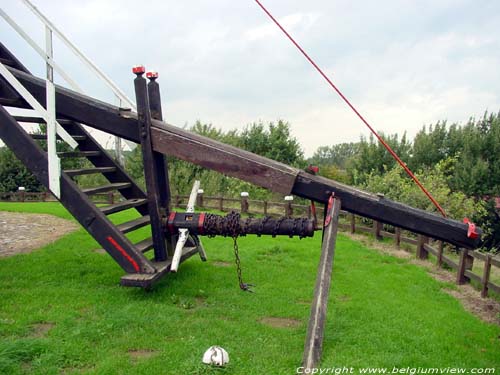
273 141
373 158
336 155
14 174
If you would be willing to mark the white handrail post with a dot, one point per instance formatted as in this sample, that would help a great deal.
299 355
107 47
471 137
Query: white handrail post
54 161
80 55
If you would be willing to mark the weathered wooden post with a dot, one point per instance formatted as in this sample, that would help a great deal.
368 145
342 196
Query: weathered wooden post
377 228
422 252
288 206
22 193
353 223
156 194
199 198
486 276
314 339
161 166
397 237
244 202
439 260
466 262
221 203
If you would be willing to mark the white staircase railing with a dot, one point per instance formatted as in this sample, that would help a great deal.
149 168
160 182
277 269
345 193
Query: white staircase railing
48 114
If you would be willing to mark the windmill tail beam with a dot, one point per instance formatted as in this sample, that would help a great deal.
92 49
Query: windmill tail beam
231 161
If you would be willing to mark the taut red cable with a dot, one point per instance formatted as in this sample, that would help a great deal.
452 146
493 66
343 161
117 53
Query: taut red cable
381 140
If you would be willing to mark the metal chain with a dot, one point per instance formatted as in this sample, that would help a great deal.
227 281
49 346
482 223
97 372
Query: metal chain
229 225
243 286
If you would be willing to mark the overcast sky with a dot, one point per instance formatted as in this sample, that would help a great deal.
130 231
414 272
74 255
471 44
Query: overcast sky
403 63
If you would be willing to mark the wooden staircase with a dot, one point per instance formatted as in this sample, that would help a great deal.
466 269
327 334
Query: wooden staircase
142 268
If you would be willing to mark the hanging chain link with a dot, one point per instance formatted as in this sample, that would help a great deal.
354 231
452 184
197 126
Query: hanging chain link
243 286
229 225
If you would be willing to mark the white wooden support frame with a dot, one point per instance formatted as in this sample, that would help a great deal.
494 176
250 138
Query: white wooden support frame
118 93
21 90
184 233
54 161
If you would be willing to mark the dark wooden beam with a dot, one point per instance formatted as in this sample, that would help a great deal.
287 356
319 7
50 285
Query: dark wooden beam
385 210
156 211
314 338
234 162
159 158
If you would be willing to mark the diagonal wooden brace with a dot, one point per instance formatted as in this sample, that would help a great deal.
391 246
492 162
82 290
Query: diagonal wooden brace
314 339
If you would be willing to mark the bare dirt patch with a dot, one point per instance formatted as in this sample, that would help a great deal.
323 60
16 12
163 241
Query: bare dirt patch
25 232
41 329
281 322
138 354
222 264
486 309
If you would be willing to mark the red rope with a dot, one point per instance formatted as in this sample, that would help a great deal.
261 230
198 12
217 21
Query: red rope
381 140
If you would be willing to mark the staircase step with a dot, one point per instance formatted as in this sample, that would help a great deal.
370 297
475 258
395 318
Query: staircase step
144 245
78 154
43 137
134 224
146 280
39 120
79 172
105 188
121 206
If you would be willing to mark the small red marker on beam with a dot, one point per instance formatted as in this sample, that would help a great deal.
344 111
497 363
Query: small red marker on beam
152 75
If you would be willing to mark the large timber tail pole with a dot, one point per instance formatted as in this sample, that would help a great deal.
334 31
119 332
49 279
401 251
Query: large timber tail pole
157 138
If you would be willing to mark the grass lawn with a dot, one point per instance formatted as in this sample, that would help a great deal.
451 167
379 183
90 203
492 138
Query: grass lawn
62 311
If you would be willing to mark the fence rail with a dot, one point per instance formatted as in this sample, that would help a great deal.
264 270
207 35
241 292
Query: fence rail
349 222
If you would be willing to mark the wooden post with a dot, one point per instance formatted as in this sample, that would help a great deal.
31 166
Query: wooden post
314 339
466 262
221 204
377 227
199 199
422 253
161 165
265 208
486 276
397 237
439 260
156 197
352 219
244 202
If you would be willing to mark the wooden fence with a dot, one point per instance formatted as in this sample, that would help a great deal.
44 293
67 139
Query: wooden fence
352 223
424 246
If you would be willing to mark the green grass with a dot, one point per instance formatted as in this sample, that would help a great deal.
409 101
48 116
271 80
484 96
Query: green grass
383 311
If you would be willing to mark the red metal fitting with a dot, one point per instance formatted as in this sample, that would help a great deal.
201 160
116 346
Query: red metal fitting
170 223
312 169
329 209
471 232
138 69
152 75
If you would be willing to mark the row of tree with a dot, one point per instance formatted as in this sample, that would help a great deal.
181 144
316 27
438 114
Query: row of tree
459 164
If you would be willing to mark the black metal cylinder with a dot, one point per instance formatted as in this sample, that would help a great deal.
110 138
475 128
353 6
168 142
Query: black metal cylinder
216 225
